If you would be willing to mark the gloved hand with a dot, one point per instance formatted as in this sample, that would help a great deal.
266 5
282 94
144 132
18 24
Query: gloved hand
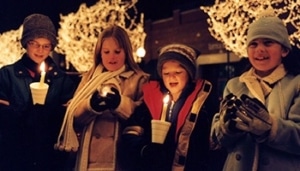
97 102
113 99
255 116
228 114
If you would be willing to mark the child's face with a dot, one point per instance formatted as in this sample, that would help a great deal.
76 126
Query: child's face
38 49
265 55
175 77
113 57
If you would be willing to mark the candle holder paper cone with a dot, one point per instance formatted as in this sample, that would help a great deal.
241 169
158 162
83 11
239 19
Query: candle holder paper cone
39 92
160 130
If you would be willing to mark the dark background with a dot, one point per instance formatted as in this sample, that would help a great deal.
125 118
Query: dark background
12 12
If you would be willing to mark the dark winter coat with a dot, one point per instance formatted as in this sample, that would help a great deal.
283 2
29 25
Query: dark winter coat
28 132
187 144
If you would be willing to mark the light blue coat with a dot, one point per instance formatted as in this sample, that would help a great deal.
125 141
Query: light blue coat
281 150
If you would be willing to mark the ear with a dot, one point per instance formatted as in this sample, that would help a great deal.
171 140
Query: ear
284 52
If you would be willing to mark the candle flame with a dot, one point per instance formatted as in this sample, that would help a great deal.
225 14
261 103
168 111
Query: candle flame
166 99
42 66
105 89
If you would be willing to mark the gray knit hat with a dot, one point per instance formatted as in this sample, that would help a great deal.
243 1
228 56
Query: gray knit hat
37 26
270 27
184 54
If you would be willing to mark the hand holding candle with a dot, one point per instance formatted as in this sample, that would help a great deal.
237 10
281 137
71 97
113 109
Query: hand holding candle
105 97
165 106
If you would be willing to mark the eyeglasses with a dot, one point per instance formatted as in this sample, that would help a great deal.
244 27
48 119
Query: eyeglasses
36 45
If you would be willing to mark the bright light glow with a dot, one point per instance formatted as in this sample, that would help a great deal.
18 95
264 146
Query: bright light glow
166 99
11 48
229 20
164 109
104 90
43 73
141 52
42 67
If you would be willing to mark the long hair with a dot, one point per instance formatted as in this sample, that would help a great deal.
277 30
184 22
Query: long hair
124 42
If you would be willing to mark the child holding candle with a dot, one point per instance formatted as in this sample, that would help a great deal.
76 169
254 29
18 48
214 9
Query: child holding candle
28 131
186 146
106 96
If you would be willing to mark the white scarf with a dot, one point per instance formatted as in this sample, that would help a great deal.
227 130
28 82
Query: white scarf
260 87
67 139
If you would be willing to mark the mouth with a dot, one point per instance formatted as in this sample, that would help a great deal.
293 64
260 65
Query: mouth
173 84
262 58
112 63
39 56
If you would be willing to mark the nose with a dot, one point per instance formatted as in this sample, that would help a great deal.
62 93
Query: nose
171 75
260 48
40 48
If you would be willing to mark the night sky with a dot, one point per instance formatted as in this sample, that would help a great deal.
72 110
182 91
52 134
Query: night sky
12 12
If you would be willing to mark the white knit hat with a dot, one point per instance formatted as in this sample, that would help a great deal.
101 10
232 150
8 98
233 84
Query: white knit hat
270 27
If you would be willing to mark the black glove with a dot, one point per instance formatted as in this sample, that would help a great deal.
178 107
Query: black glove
255 116
228 109
97 102
113 99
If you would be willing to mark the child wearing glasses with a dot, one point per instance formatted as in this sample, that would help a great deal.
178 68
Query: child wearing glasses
28 130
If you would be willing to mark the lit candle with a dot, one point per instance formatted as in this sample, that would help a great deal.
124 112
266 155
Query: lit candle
43 73
165 106
104 90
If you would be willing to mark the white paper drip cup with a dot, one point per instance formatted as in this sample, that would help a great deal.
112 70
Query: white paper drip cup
160 130
39 92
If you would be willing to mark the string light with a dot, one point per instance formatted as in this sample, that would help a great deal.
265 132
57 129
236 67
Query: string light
11 48
229 20
79 31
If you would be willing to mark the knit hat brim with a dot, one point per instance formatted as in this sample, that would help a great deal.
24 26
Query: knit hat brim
39 33
187 64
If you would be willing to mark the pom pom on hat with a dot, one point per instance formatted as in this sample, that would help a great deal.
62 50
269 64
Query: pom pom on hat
38 26
269 26
184 54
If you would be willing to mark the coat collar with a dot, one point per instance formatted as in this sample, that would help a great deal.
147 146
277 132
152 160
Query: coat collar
52 71
261 87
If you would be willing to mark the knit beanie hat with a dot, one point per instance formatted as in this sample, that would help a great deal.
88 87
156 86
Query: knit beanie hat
270 27
37 26
184 54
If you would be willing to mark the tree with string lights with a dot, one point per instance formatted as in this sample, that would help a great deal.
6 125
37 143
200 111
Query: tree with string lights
229 19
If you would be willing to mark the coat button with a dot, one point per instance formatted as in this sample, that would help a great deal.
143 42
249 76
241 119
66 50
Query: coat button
238 157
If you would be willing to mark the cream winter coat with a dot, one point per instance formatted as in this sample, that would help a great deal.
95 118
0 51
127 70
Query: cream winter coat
281 150
97 149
